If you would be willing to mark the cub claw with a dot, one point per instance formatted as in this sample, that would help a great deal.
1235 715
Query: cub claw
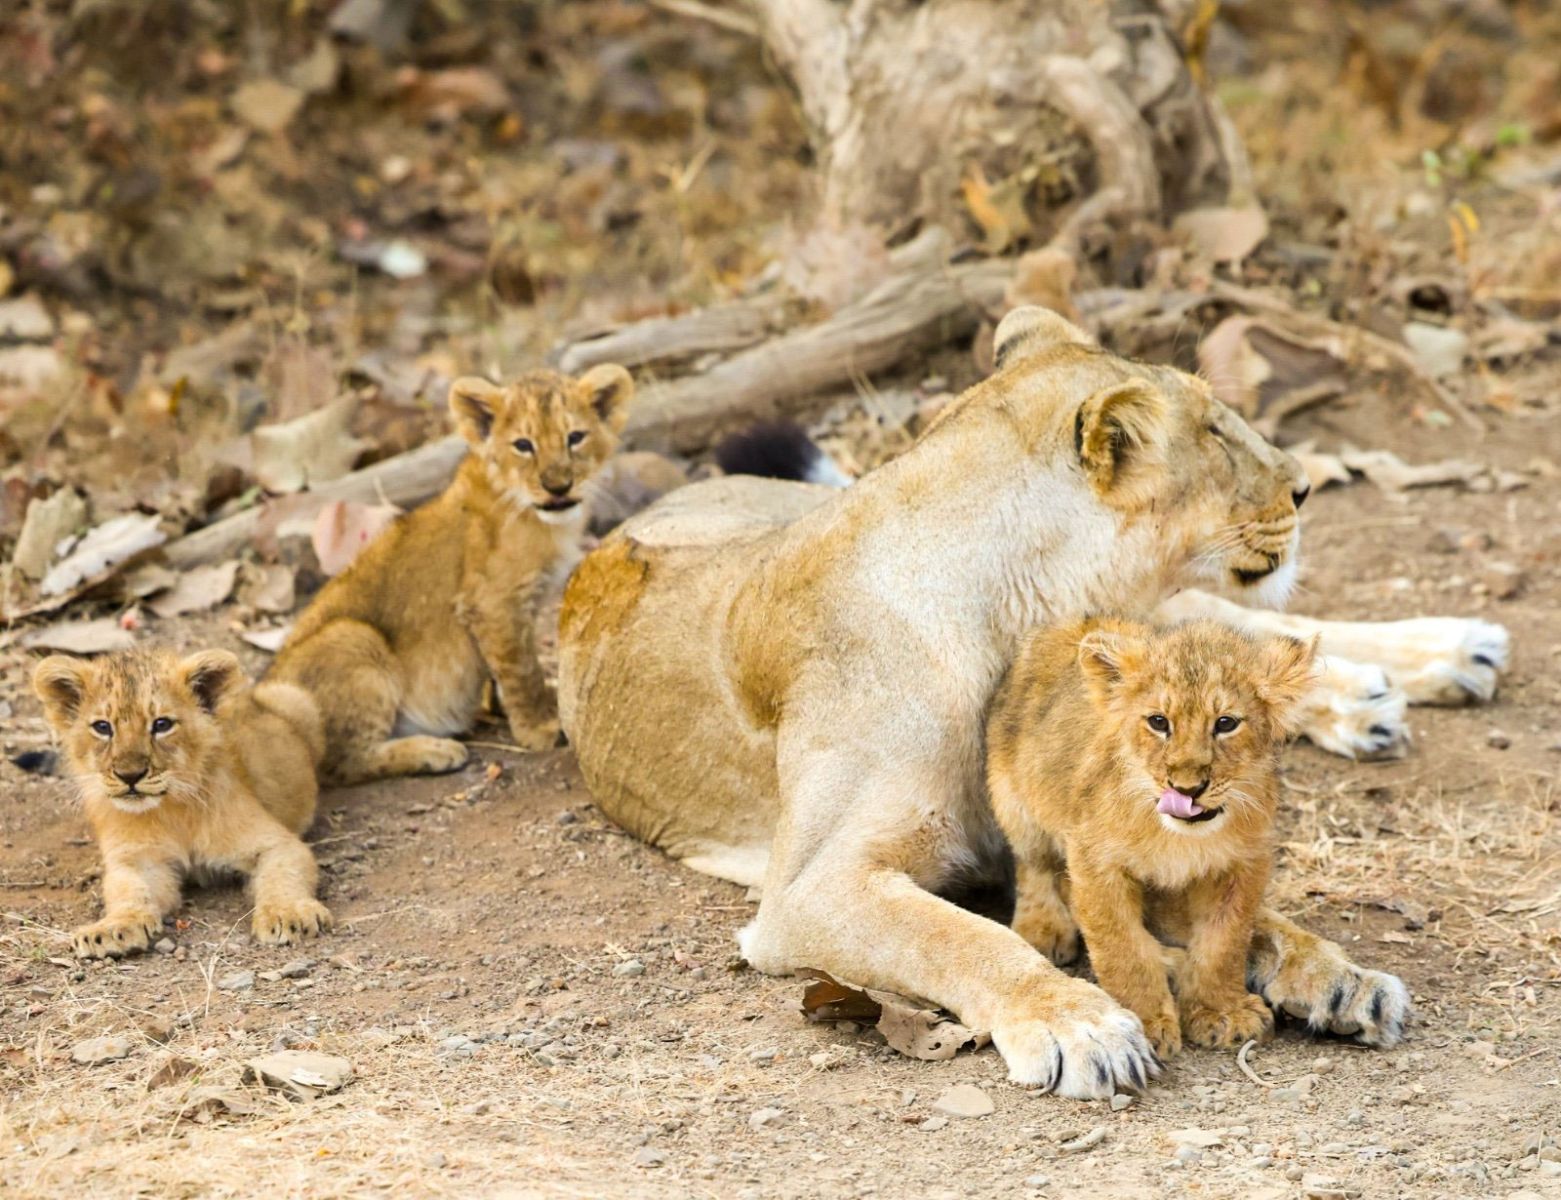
283 924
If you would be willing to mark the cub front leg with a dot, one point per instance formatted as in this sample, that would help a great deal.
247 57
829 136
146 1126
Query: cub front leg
1216 1008
504 628
283 881
1041 914
138 892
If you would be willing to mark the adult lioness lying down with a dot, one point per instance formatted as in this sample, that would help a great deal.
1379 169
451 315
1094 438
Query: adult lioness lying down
783 683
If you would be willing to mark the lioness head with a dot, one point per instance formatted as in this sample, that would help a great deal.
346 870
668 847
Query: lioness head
544 435
140 725
1155 444
1200 709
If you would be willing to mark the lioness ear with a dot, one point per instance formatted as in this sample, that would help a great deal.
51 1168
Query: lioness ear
60 682
211 676
1286 673
610 388
1118 429
473 402
1029 330
1107 658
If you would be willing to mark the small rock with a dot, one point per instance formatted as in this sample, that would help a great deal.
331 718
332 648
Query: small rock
1189 1155
1306 1084
765 1054
1037 1181
1498 740
1439 350
568 817
1200 1139
304 1073
933 1124
1120 1101
649 1156
164 946
1334 1148
155 1029
760 1117
1322 1187
1322 1066
1294 1174
26 320
297 969
437 1161
964 1100
819 1061
1502 580
1284 1095
630 969
237 981
100 1050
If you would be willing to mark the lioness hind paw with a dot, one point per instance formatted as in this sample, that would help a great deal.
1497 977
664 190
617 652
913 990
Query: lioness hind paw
283 924
115 936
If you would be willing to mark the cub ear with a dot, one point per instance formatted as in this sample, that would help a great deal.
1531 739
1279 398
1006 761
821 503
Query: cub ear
60 682
1107 658
610 389
212 676
1119 429
1029 330
1287 671
473 402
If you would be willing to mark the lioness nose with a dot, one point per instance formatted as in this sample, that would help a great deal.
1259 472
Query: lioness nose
131 778
1300 494
1192 790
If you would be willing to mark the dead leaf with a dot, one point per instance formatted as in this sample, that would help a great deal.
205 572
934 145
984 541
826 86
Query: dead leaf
102 550
30 367
25 319
103 636
1225 235
913 1030
457 90
344 527
48 523
268 588
174 1068
269 640
1439 351
267 105
145 580
197 590
318 72
313 449
1266 373
204 1103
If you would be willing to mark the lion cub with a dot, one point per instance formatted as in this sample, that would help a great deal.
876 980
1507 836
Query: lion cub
398 648
1136 774
183 768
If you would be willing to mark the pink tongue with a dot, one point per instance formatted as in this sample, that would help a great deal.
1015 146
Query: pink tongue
1178 805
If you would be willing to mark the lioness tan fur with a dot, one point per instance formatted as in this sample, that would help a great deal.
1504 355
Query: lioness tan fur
397 649
1136 771
184 769
786 685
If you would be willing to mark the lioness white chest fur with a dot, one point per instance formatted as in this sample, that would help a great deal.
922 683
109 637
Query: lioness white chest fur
784 684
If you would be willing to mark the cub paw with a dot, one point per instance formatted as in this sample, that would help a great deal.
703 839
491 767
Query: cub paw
1353 711
1333 995
1054 934
438 756
538 736
1077 1042
1164 1031
115 936
290 921
1220 1028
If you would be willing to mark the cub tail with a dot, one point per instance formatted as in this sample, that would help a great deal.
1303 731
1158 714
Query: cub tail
297 710
779 450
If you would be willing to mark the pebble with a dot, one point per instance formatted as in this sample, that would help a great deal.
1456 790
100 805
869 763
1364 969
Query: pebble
237 981
764 1054
1189 1155
933 1124
760 1117
630 969
1322 1187
648 1156
1294 1174
1335 1148
297 969
1496 739
1038 1181
437 1161
1502 579
964 1100
1285 1095
1120 1101
1198 1139
1355 1117
305 1073
163 945
100 1050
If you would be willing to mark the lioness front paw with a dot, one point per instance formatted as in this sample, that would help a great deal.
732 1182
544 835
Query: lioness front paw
290 921
1220 1028
1076 1042
115 936
1353 711
537 736
1333 995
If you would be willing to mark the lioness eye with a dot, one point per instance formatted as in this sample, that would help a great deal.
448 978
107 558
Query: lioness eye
1159 723
576 436
1226 724
164 724
524 446
102 728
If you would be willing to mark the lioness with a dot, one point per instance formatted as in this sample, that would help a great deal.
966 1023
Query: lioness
1135 773
182 768
786 684
397 649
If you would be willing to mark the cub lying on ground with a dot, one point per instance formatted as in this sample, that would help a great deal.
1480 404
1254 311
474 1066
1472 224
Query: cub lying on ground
1136 775
185 769
397 649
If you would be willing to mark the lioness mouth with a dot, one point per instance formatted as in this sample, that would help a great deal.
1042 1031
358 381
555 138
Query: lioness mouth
560 505
1247 577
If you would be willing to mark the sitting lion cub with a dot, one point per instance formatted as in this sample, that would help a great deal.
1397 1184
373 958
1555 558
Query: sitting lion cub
398 648
184 769
1136 774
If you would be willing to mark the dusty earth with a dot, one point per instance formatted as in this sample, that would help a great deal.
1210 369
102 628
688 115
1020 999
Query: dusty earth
531 1002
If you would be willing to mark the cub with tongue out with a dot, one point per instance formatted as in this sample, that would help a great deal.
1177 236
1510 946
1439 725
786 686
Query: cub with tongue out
1135 772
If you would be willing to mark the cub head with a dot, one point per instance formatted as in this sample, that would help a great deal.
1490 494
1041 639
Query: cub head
542 437
1199 709
139 726
1154 444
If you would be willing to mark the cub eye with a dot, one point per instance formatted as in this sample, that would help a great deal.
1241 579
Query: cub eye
1159 723
1226 724
524 446
102 729
576 436
164 724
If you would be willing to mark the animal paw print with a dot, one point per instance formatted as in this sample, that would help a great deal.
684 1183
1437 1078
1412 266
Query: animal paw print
113 937
290 921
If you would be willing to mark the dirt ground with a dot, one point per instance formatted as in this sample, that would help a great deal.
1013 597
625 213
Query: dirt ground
535 1004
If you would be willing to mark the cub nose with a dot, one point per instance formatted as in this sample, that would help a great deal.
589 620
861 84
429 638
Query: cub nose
557 487
1192 791
130 778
